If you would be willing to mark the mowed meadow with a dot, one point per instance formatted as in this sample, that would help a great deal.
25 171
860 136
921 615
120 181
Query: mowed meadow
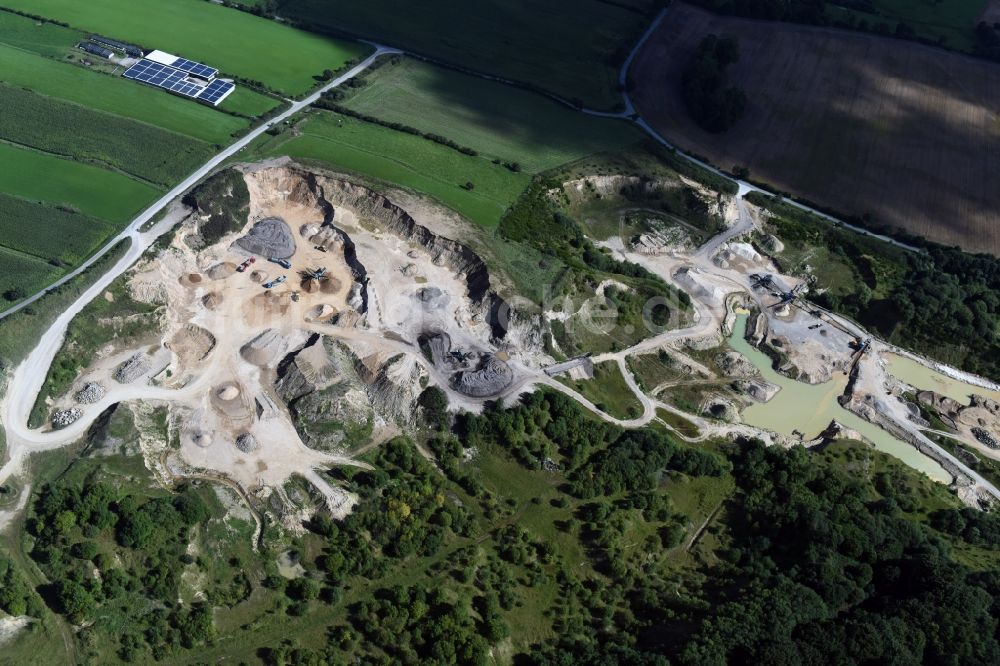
343 143
573 48
498 121
901 133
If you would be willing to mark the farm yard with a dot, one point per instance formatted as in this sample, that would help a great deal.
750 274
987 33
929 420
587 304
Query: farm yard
115 95
344 143
572 48
898 132
499 121
228 39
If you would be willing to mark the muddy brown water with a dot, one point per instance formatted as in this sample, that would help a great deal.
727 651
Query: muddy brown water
809 408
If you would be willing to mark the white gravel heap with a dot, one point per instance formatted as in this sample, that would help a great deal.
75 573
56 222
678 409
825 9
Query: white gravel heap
66 417
90 393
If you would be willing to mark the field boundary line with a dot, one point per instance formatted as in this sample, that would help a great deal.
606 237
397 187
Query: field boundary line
94 163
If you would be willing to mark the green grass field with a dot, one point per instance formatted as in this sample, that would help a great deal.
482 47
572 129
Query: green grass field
248 103
49 233
951 20
570 47
608 391
45 39
91 190
64 128
498 120
116 95
402 159
23 274
237 43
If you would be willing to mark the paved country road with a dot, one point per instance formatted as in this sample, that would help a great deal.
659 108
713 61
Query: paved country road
145 216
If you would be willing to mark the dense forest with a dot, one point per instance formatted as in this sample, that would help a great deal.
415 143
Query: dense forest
537 520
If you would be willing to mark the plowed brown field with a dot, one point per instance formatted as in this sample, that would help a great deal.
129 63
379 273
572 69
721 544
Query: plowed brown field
905 133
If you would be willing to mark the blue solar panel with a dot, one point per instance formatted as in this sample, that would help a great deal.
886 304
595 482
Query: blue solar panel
215 91
176 81
196 68
162 76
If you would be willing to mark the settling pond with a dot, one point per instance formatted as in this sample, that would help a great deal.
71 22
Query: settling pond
809 408
920 376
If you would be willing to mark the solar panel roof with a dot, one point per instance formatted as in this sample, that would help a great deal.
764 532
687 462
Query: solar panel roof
195 68
175 80
215 91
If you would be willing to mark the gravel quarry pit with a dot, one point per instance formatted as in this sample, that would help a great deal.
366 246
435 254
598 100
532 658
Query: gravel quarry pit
222 367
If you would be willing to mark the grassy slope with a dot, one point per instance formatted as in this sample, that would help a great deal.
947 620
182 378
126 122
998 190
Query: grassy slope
116 95
20 331
63 128
497 120
91 190
237 43
248 103
608 391
24 273
566 46
45 39
403 159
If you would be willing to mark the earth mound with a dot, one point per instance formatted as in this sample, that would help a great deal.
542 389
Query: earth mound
212 300
228 392
221 271
247 443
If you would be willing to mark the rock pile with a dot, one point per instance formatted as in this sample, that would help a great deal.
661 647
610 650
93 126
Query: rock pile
758 389
136 366
90 393
247 443
270 237
492 377
986 437
65 418
735 364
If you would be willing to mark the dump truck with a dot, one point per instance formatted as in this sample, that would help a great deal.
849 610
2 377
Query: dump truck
245 265
284 263
275 282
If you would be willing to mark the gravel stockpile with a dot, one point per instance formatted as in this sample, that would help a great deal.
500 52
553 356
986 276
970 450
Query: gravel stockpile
65 417
492 377
270 237
136 366
247 443
90 393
